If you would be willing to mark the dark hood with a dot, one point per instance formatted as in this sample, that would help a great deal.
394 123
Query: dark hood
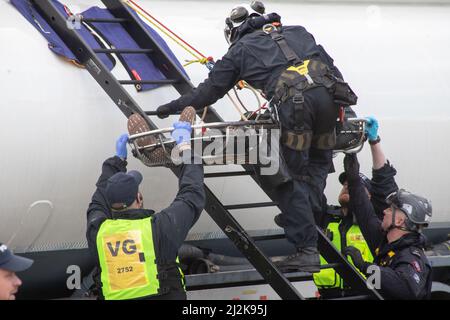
253 24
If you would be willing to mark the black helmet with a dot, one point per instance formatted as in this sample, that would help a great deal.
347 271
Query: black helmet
416 208
238 15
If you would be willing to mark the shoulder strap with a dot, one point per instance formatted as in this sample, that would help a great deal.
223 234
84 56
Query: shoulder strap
290 55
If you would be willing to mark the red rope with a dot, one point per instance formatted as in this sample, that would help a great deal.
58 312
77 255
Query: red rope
143 10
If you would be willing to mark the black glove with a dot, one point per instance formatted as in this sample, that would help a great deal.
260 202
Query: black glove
351 167
357 258
164 111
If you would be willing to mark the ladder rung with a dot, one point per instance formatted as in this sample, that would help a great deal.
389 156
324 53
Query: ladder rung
251 205
227 174
330 265
154 113
123 50
235 278
360 297
134 82
112 20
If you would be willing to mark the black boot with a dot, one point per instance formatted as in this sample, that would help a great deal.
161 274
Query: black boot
305 260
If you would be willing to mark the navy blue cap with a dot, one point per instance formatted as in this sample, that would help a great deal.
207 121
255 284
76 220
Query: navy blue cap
122 188
366 181
11 262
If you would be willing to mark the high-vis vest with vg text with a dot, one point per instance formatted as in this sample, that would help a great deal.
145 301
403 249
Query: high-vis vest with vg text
328 278
127 259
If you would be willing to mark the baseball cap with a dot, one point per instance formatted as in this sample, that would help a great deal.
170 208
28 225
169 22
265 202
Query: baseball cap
122 188
11 262
366 181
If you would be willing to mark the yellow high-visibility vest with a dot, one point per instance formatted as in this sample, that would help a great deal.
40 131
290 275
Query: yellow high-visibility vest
329 278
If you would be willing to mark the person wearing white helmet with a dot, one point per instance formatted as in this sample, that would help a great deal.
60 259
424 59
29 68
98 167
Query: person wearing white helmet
238 15
301 81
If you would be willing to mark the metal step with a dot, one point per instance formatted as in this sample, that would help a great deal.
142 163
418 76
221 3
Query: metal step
251 205
129 51
227 174
99 20
235 279
134 82
154 113
359 297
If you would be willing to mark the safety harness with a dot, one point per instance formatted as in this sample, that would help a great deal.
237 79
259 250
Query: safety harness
300 76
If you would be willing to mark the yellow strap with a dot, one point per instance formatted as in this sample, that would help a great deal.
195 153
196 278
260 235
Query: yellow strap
301 69
201 60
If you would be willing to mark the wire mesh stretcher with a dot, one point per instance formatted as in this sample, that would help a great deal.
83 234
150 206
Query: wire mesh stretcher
235 142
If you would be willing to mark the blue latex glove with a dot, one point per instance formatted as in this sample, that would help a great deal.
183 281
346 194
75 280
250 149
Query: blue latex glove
372 128
182 132
121 146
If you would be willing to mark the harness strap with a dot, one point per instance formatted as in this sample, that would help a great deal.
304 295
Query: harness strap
298 99
290 55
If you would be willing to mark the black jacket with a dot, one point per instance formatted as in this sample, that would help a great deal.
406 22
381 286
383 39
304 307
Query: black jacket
255 58
170 226
383 184
405 271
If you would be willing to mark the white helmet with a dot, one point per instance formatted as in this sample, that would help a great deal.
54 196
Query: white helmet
238 15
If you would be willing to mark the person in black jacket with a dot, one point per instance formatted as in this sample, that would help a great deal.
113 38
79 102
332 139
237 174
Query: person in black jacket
396 241
301 81
136 249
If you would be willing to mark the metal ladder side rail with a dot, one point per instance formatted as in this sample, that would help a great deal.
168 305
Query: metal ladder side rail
162 61
87 57
136 28
326 248
344 268
128 106
249 249
166 65
171 70
159 56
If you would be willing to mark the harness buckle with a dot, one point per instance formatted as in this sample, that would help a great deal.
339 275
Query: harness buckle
269 28
298 98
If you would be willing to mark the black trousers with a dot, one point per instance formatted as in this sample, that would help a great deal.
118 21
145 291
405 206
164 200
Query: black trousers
303 196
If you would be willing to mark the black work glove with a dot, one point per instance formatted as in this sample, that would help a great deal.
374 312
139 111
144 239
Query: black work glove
357 258
351 167
164 111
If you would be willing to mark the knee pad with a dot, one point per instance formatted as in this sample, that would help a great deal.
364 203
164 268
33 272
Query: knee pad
297 141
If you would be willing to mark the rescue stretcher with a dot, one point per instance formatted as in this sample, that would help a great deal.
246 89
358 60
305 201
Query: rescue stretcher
235 142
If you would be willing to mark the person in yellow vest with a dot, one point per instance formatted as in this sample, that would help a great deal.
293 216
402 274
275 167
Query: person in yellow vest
343 230
136 249
340 223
